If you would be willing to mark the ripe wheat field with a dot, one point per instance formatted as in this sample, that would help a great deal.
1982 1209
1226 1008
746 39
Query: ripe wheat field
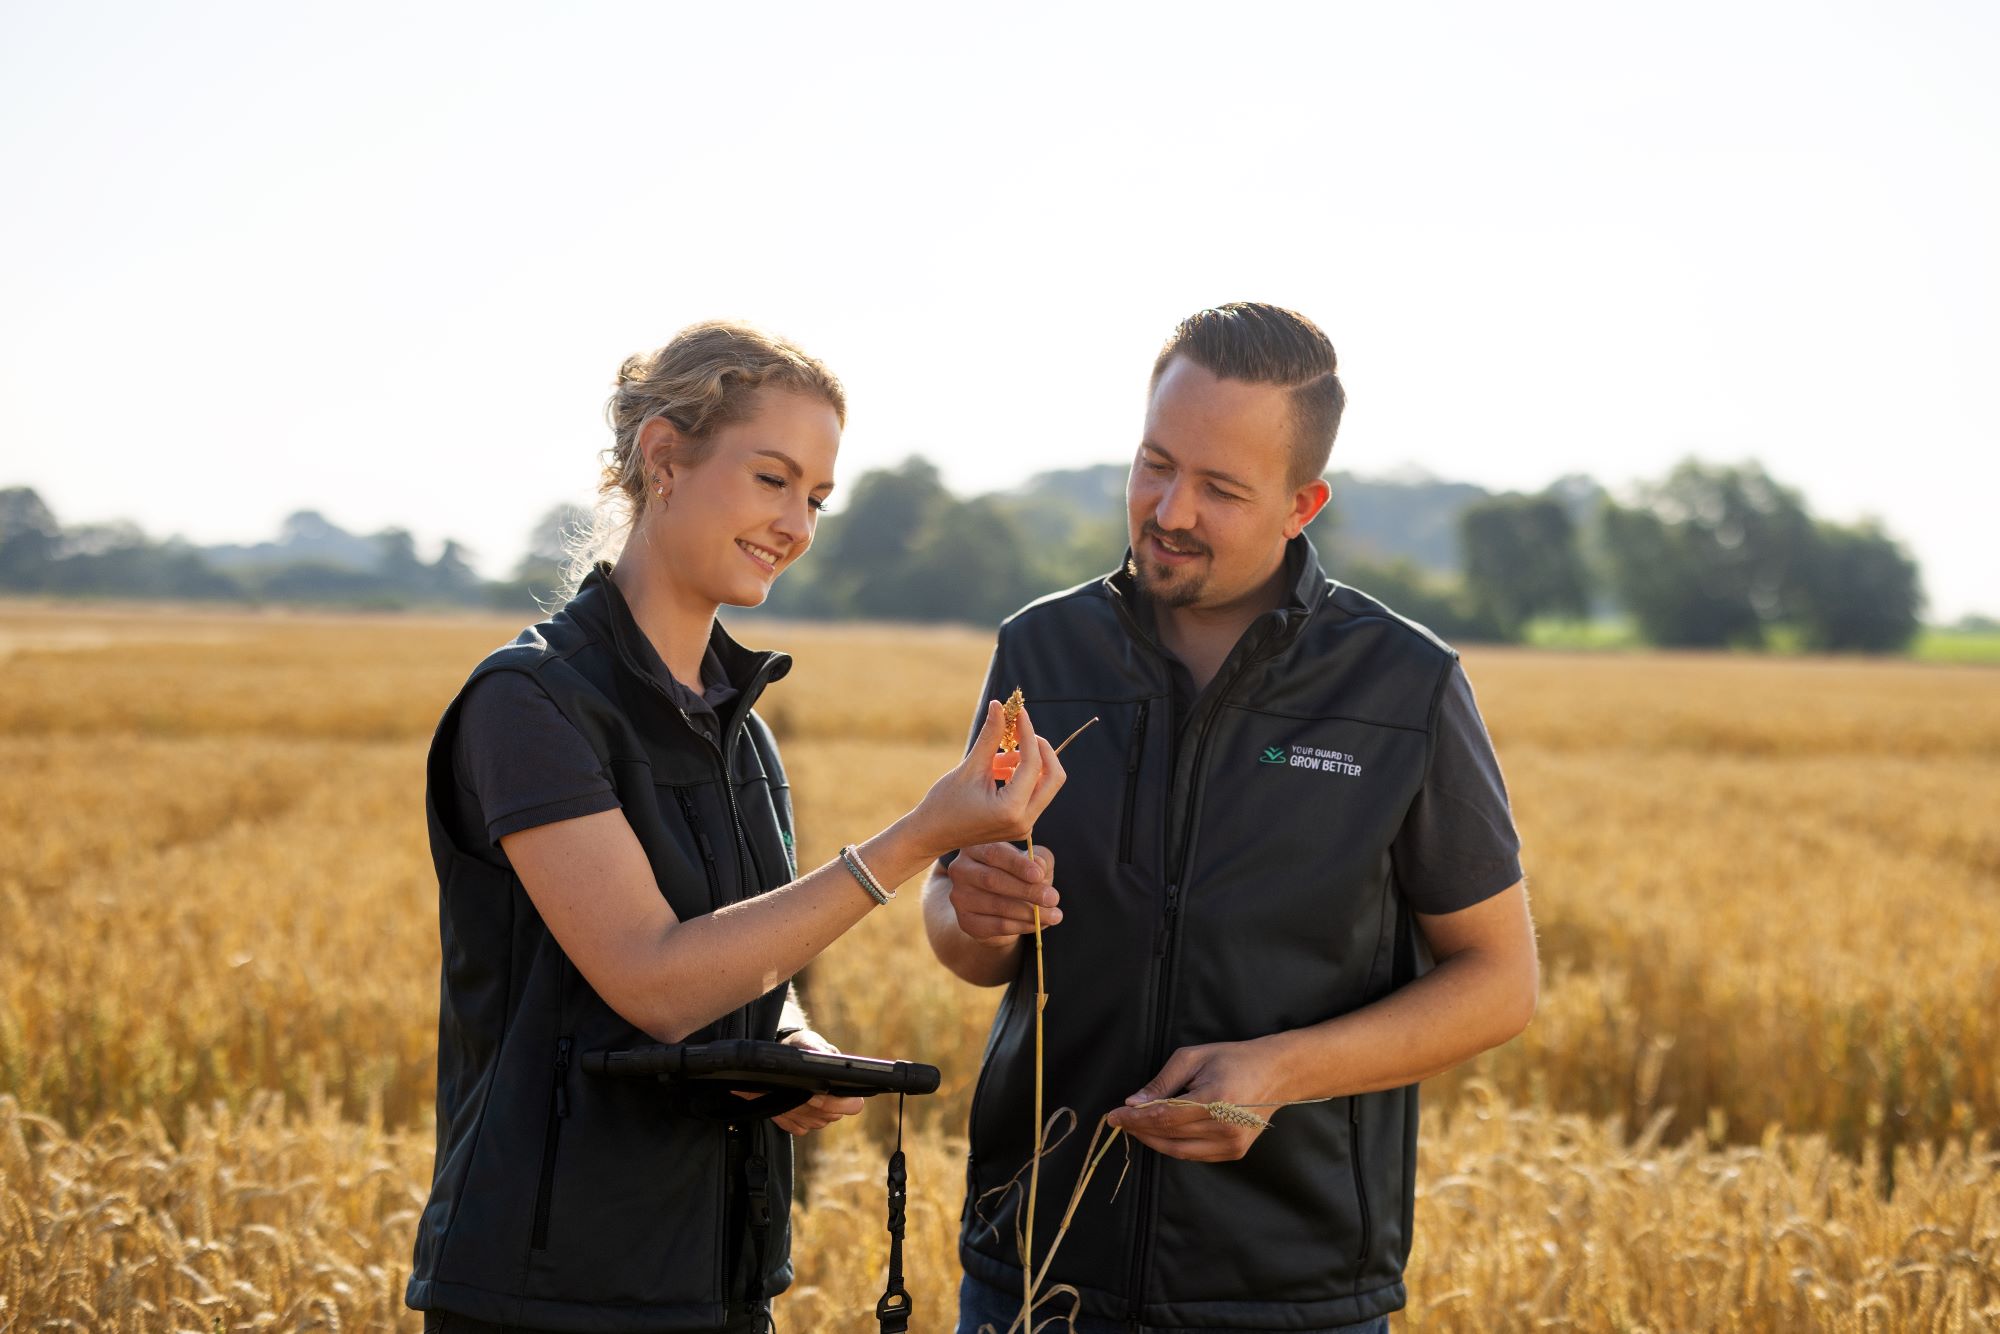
1761 1092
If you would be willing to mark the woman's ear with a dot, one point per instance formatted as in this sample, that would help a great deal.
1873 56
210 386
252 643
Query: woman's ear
658 441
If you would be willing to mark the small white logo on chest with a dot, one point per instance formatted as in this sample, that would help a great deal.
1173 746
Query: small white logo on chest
1320 760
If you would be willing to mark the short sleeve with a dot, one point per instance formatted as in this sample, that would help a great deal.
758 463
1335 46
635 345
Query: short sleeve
1458 845
523 763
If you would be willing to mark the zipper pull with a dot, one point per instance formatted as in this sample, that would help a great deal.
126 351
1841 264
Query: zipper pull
693 819
562 1076
1167 922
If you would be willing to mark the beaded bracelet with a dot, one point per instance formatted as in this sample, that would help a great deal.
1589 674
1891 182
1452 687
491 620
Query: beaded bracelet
851 859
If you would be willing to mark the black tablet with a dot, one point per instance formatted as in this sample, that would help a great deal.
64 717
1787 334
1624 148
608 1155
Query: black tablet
741 1063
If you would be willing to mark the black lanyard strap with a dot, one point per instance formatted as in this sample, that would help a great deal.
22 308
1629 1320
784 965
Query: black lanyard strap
895 1307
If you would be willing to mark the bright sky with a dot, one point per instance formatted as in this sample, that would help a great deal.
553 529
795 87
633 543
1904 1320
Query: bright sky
382 260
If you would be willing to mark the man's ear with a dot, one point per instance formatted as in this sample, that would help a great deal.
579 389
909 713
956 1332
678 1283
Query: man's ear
1307 502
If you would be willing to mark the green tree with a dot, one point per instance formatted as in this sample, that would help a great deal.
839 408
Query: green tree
970 563
1434 602
1862 592
862 563
451 575
1711 556
1521 561
29 538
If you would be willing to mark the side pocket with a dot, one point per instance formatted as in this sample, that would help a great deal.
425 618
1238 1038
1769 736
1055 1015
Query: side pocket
1360 1181
1135 750
558 1113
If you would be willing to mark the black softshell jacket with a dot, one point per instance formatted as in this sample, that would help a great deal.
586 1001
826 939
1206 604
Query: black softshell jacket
567 1201
1221 884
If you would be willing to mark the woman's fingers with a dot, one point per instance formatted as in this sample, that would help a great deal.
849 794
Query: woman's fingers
1033 760
1050 779
980 756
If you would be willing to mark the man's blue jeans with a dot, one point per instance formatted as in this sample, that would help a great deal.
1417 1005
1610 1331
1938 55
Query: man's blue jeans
980 1304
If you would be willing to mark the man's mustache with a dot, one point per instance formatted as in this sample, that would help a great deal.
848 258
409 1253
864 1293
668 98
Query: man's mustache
1180 541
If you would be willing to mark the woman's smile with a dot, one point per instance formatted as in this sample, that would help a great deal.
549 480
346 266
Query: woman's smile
763 558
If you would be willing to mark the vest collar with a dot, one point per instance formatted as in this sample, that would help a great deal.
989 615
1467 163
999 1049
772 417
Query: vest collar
1306 587
600 605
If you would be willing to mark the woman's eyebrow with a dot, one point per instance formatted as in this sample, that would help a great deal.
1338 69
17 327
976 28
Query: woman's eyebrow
791 464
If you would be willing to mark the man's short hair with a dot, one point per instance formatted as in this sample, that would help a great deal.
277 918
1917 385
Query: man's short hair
1260 343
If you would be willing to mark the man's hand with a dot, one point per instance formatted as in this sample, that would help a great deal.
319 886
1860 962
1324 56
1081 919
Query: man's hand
994 890
1245 1073
822 1109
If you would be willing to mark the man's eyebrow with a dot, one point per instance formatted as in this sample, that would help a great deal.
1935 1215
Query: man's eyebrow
1216 473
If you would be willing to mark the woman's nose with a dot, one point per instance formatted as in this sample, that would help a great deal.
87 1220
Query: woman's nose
794 521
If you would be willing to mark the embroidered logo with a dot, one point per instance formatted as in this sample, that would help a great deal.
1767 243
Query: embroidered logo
1318 759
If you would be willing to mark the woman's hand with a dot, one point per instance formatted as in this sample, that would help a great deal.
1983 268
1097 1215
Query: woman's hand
966 807
823 1109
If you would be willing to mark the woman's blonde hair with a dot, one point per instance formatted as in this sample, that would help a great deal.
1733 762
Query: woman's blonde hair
706 377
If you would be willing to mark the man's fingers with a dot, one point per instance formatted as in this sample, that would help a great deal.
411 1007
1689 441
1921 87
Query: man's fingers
1191 1149
1174 1077
1005 857
1002 884
1164 1119
993 918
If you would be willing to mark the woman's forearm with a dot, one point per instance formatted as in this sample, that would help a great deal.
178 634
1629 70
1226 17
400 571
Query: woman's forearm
712 964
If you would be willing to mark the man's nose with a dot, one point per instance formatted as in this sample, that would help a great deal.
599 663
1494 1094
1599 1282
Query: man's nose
1175 510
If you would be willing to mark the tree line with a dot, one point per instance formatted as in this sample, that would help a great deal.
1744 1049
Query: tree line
1711 555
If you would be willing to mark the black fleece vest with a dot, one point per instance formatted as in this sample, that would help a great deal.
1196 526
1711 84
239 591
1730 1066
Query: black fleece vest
561 1200
1221 884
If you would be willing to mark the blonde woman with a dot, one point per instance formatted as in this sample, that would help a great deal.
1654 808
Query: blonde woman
611 828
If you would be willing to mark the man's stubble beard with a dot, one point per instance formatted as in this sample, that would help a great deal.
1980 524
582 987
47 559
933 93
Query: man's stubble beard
1167 591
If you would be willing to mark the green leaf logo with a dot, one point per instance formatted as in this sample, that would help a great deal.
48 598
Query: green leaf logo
1273 755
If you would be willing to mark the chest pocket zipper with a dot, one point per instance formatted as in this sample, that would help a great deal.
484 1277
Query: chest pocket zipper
1135 751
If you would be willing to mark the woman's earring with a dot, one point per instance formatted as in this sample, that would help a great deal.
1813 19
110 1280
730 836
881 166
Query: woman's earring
660 490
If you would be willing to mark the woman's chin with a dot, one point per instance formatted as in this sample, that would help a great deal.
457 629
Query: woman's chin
748 595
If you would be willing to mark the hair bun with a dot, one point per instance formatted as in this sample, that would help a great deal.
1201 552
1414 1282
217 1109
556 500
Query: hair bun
635 367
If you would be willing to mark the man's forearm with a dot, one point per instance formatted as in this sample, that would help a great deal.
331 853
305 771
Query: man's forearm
1469 1003
980 963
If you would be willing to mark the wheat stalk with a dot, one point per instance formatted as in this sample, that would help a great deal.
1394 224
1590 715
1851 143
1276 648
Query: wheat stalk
1010 742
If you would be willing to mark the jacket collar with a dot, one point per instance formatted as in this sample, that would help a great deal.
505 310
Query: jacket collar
601 607
1306 587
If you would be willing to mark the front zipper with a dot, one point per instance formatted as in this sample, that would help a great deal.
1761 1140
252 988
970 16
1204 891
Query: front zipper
558 1112
733 1239
1142 1254
1135 749
693 818
1360 1186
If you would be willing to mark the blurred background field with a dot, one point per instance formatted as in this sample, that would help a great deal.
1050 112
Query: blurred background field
1760 1093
